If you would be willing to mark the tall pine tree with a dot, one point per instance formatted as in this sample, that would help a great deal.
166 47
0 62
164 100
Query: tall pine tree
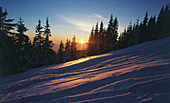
73 49
61 53
91 44
67 51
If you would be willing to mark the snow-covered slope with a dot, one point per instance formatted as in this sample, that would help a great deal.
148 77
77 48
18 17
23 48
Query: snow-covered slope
140 73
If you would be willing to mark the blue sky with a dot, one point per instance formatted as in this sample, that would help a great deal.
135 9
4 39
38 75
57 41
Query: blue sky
76 17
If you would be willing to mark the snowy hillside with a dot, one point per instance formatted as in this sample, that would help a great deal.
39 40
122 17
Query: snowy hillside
140 73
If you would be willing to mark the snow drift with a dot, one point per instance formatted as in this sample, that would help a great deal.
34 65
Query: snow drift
140 73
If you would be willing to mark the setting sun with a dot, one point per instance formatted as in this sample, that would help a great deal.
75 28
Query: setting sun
82 41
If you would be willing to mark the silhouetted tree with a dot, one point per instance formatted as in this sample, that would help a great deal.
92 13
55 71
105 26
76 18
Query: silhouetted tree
5 24
23 45
7 45
96 39
91 44
115 33
61 53
129 34
109 36
38 40
42 48
67 51
73 49
136 31
143 29
151 29
101 38
47 34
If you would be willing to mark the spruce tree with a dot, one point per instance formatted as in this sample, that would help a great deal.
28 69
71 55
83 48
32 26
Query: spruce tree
91 45
143 33
115 33
136 31
109 36
61 53
151 28
166 27
124 39
67 51
22 44
73 49
42 48
160 24
96 39
101 38
47 34
5 24
129 34
21 27
38 39
7 46
120 41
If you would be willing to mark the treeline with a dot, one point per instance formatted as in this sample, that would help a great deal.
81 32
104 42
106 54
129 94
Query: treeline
149 29
18 54
69 52
104 40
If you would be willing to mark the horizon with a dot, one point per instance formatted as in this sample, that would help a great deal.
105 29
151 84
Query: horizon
68 18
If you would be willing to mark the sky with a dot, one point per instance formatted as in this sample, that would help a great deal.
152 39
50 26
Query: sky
76 17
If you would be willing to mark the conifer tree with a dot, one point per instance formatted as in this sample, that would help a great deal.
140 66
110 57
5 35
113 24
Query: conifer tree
42 48
21 27
146 31
151 28
96 39
22 44
160 23
115 33
123 39
136 32
143 29
67 51
108 41
101 38
7 46
91 45
5 24
129 34
47 34
73 49
38 39
120 41
61 53
166 32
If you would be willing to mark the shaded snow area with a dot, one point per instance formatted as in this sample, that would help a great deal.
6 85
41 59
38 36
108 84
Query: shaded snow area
140 73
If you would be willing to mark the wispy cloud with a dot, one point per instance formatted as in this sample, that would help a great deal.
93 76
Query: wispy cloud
86 24
67 27
81 25
100 17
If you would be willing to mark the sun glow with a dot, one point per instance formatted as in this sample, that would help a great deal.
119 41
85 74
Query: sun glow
82 41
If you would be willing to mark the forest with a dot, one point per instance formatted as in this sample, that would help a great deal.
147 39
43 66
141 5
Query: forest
18 53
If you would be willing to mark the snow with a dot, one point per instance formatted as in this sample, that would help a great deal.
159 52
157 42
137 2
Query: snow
140 73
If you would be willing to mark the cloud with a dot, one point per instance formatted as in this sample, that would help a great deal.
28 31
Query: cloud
67 27
81 25
84 23
100 17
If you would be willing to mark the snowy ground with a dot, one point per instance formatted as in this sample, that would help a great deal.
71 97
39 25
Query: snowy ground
139 73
